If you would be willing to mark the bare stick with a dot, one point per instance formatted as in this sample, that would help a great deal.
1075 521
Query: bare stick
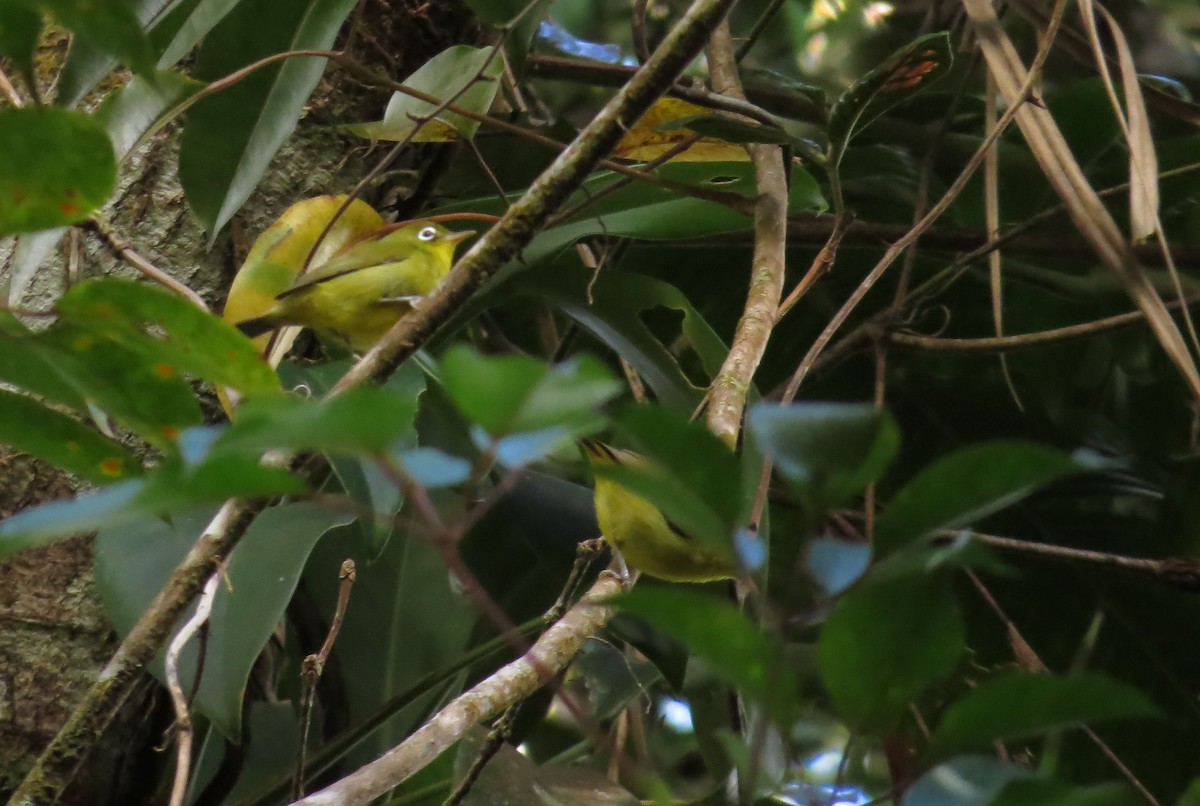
314 666
508 685
109 238
179 701
728 392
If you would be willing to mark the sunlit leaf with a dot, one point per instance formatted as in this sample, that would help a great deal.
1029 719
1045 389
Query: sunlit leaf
58 167
465 74
666 126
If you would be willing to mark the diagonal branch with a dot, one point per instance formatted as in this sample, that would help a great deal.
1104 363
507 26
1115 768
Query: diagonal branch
509 684
56 767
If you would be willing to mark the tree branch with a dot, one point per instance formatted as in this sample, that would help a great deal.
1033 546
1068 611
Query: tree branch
54 769
727 395
509 684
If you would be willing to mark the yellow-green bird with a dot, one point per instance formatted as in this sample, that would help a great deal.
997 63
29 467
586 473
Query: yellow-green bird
362 291
640 532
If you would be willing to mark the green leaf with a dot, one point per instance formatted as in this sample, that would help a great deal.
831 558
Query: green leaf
690 474
836 564
715 630
58 167
231 137
20 26
830 451
117 375
263 572
63 441
114 505
31 251
473 72
966 781
133 110
967 485
729 129
906 72
1049 792
612 679
182 30
110 26
89 61
1023 705
361 421
171 488
522 18
134 562
884 644
612 308
641 210
516 394
195 342
29 365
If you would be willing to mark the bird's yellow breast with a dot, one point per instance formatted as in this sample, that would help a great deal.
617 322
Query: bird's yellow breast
639 531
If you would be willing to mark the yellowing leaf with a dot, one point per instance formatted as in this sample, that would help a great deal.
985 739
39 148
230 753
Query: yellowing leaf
647 140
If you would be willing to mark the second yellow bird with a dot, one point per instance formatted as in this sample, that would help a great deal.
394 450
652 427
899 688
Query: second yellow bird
640 532
361 292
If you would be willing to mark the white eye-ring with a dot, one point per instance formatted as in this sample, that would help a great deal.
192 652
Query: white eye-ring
427 234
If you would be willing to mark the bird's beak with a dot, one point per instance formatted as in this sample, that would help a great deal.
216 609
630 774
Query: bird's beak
459 237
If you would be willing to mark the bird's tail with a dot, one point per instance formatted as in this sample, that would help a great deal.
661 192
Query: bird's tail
257 326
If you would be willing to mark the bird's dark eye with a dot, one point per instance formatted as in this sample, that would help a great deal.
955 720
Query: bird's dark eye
427 234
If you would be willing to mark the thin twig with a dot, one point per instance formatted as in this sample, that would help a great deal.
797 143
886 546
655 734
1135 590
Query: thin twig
314 666
512 683
124 251
897 248
637 19
491 746
1023 341
9 91
1025 653
934 213
179 701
